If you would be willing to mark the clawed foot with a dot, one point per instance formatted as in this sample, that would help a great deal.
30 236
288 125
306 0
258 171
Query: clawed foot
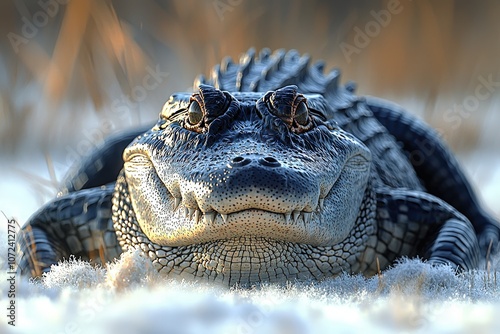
489 240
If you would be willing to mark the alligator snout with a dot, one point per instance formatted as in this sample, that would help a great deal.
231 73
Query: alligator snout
250 181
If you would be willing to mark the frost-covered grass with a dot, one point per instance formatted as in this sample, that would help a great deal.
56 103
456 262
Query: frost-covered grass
130 297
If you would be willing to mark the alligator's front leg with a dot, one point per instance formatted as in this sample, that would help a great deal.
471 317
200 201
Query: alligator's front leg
438 169
413 223
77 224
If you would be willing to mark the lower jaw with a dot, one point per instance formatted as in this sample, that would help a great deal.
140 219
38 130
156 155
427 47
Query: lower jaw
250 222
247 261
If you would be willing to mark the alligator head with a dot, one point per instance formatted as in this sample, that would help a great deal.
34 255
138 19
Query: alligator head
225 169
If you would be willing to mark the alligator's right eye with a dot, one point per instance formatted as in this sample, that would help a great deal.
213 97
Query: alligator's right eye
301 114
195 114
204 107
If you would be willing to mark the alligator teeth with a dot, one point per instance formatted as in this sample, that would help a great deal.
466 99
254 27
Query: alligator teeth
321 203
306 216
287 217
296 215
210 217
224 217
197 216
191 213
177 202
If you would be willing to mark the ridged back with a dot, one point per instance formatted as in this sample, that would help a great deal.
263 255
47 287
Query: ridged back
269 71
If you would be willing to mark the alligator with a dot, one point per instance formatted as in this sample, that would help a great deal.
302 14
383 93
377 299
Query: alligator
271 170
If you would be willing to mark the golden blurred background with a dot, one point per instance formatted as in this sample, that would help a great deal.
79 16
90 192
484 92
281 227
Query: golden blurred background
76 57
73 71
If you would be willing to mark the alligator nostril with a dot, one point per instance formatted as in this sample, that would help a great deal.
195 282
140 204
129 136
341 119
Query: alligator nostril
239 161
270 162
270 159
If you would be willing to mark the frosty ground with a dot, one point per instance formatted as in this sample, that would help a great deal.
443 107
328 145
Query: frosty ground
129 297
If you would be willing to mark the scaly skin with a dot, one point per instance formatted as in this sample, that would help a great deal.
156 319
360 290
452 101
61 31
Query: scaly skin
269 172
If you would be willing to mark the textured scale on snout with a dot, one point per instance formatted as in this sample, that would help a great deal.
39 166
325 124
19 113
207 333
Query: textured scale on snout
269 171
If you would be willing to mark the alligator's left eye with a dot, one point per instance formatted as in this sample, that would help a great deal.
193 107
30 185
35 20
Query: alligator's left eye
290 106
301 114
195 114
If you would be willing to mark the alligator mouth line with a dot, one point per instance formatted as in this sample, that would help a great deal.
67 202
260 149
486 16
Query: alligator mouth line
210 217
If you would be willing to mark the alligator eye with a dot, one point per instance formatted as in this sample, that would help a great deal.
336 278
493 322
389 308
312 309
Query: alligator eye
301 114
195 114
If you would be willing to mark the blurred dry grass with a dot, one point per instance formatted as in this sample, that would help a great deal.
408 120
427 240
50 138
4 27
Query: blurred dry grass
92 52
